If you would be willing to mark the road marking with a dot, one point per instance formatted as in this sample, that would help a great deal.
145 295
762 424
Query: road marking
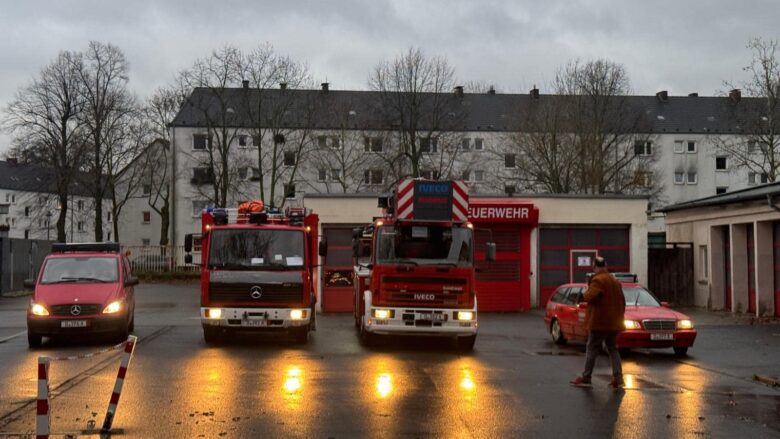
3 340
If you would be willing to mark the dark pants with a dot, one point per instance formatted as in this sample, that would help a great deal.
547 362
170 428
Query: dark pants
595 339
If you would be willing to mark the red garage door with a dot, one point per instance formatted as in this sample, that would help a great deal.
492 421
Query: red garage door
504 284
337 269
565 252
777 267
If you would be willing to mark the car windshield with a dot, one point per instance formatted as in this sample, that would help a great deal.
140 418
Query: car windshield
425 245
255 249
638 296
80 269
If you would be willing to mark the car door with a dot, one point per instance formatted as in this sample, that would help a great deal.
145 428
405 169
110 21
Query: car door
578 327
567 313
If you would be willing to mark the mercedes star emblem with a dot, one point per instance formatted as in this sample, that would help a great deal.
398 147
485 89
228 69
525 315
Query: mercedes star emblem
75 310
256 292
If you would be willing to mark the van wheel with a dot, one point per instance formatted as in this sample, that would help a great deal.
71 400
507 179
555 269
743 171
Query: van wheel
131 327
211 334
680 352
34 340
556 333
466 344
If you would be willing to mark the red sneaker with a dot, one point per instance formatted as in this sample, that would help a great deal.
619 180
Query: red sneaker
616 383
581 382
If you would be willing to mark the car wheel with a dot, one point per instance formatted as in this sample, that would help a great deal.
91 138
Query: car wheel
34 340
556 333
300 335
466 344
211 334
681 352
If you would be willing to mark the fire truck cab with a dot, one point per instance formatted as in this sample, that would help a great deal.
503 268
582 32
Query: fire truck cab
258 270
414 267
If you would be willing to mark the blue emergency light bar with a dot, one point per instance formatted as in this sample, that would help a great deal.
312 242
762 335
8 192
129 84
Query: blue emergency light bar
69 247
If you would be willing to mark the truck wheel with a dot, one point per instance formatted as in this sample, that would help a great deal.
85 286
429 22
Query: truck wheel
300 335
34 340
680 352
366 338
211 334
556 333
466 344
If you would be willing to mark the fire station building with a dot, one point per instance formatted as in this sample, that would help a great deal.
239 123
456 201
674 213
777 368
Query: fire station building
542 242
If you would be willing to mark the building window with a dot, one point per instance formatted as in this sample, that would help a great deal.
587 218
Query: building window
80 204
322 141
146 241
335 174
692 178
200 141
373 176
703 265
479 144
465 144
289 190
429 145
721 190
289 158
147 189
509 160
679 147
754 177
479 175
466 175
27 234
721 163
256 140
335 142
26 210
679 177
643 148
202 176
752 147
108 215
372 144
147 216
198 206
644 179
80 226
510 189
322 174
691 147
242 140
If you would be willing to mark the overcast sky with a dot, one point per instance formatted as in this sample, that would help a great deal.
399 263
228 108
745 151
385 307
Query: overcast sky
679 46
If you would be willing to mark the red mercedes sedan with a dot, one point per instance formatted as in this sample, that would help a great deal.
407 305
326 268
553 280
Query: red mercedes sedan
649 323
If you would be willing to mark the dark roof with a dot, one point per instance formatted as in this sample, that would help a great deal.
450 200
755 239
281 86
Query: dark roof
752 193
476 112
35 178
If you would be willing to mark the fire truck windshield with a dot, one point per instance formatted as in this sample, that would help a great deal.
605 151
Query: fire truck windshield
425 245
253 249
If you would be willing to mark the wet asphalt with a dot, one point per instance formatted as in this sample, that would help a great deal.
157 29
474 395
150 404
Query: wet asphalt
514 384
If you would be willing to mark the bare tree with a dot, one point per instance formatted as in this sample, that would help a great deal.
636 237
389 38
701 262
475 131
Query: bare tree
44 119
107 105
416 103
758 148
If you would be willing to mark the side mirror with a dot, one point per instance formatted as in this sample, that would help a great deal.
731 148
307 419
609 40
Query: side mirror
130 281
29 283
188 258
188 242
665 304
323 248
490 252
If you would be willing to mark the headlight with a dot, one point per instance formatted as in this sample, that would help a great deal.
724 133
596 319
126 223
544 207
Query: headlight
465 315
113 307
213 313
38 310
684 324
632 324
296 314
383 313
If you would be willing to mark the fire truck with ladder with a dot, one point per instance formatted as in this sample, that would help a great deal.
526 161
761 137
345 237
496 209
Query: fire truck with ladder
414 267
258 270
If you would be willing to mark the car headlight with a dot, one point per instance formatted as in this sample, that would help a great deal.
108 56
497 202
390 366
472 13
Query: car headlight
465 315
113 307
213 313
38 310
684 324
632 324
383 313
297 314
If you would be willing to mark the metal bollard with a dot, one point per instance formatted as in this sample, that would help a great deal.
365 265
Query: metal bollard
120 379
42 423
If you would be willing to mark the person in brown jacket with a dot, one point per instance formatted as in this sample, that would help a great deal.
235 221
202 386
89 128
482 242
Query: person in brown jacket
604 320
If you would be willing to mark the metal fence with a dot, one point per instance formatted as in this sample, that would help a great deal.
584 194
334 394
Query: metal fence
160 259
20 259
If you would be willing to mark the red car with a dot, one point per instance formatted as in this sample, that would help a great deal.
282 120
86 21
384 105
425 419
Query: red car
649 323
82 289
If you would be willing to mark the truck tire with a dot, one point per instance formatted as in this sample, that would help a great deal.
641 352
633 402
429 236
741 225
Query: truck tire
366 338
211 334
466 344
300 335
34 340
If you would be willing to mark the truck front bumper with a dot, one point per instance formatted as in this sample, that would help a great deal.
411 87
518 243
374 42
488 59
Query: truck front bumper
421 321
255 318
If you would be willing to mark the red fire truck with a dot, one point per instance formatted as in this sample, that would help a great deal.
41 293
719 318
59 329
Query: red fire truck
417 277
258 270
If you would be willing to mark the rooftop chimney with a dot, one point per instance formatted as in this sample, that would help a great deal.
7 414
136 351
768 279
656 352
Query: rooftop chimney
245 83
283 86
325 86
534 93
663 96
735 95
459 91
492 90
693 95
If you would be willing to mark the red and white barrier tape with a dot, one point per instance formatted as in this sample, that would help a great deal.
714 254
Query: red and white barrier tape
91 354
42 425
120 380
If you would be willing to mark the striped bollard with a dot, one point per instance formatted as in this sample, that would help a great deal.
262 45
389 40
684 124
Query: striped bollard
42 425
120 380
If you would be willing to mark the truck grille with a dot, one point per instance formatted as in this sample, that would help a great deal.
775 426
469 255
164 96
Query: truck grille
220 293
660 325
426 291
86 309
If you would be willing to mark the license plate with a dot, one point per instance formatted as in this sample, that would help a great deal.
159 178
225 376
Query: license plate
253 323
665 336
432 317
73 324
